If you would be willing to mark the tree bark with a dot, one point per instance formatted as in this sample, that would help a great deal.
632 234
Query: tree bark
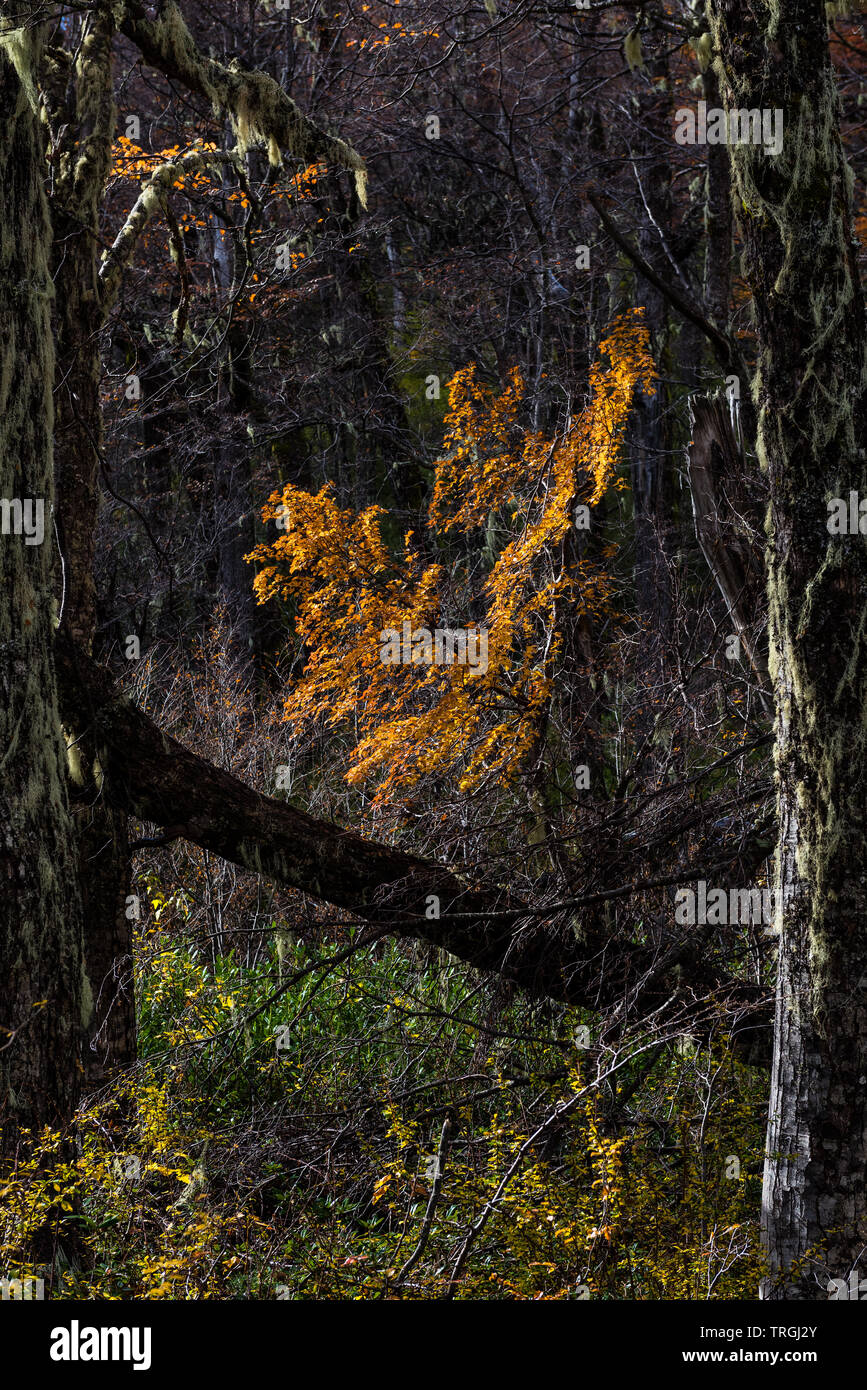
233 518
799 258
45 993
650 432
104 861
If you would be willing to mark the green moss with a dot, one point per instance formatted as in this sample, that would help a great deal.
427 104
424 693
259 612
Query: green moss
22 49
87 1004
175 39
632 51
73 758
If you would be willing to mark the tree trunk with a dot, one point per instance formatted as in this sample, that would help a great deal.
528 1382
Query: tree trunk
650 433
799 258
154 778
101 831
45 993
234 517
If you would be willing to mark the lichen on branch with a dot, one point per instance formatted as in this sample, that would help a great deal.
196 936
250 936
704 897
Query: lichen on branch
257 107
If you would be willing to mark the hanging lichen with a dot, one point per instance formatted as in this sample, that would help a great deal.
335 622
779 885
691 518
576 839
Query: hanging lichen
703 47
21 47
257 107
632 50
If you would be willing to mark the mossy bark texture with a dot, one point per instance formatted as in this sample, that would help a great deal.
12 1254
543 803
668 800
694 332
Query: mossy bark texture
45 999
101 833
799 257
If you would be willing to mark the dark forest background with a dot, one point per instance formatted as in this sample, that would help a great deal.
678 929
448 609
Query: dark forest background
301 1105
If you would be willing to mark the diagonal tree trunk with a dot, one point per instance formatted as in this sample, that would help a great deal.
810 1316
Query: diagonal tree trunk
156 779
795 214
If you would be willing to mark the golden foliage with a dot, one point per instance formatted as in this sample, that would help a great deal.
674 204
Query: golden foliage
132 163
348 588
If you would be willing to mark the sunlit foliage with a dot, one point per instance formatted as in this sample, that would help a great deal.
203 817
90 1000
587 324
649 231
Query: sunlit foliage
347 586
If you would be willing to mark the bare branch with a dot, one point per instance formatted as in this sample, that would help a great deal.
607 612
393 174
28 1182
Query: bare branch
726 349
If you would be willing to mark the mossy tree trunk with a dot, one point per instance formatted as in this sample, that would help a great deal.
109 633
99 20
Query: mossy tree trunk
799 256
45 996
84 111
